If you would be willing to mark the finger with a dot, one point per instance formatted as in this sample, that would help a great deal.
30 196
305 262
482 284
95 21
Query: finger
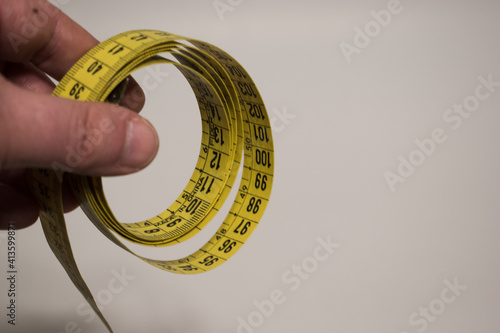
36 31
27 76
92 138
17 179
16 207
16 202
134 98
69 200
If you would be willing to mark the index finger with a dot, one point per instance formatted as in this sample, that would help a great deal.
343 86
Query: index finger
36 31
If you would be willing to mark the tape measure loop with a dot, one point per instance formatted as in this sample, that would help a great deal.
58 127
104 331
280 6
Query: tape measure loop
235 130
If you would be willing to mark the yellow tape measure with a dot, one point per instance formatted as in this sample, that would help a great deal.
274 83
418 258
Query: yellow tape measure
234 123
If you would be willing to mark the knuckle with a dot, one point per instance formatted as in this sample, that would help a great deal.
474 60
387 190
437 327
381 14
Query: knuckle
91 143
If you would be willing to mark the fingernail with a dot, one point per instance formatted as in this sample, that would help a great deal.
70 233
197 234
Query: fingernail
141 144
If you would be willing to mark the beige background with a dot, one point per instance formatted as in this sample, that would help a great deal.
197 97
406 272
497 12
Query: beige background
348 124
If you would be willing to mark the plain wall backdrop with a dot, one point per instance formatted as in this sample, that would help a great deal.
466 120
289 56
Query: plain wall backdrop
386 127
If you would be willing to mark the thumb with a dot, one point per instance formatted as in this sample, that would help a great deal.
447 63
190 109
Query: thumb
91 138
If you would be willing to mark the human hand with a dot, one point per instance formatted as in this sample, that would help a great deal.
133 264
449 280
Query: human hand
37 129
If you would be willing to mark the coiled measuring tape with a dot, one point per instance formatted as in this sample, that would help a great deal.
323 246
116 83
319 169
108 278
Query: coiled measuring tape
234 124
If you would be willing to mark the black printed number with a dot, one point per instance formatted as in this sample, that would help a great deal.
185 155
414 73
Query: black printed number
215 111
234 70
188 268
246 89
76 90
193 206
139 37
227 246
256 111
263 158
209 261
94 68
206 184
242 228
116 49
215 162
261 182
260 133
219 136
254 205
173 223
44 190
